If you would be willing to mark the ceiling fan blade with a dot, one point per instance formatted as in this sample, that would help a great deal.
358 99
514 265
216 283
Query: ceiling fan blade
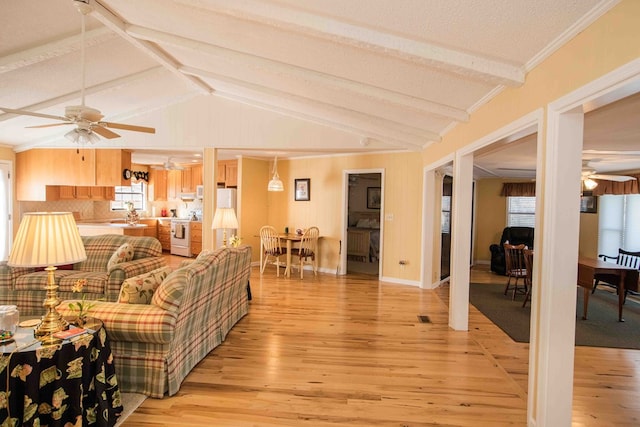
104 132
128 127
49 125
29 113
617 178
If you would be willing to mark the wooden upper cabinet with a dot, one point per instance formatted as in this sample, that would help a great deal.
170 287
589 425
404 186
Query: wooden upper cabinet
174 184
196 176
187 185
37 168
158 181
110 165
228 173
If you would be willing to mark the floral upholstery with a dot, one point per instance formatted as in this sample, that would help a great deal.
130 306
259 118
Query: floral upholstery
24 287
156 345
123 254
140 289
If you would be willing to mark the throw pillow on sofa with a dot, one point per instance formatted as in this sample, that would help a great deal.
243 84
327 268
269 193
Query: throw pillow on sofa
123 254
140 289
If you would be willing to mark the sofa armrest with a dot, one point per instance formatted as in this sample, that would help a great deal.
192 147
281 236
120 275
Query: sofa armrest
130 322
9 274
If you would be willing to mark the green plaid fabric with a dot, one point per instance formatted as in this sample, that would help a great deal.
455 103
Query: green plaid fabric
157 345
25 286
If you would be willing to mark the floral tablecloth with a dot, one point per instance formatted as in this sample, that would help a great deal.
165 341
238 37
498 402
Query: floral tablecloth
72 384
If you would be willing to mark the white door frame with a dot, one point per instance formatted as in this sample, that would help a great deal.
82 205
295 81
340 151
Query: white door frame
345 216
6 222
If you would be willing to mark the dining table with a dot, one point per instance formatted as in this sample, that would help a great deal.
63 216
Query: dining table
588 268
289 238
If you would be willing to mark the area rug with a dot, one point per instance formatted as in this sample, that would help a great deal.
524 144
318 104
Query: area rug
602 329
130 402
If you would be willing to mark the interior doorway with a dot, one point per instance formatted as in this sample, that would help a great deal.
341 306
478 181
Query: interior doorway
445 227
364 204
6 208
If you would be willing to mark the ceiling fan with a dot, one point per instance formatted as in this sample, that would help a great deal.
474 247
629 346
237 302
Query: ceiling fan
168 166
589 174
88 121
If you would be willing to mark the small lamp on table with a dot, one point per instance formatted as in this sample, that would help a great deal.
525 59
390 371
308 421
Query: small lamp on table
48 239
224 218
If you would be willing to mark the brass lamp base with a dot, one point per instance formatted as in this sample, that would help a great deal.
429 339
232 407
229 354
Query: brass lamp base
52 321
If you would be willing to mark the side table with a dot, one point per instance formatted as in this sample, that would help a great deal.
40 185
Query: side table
73 382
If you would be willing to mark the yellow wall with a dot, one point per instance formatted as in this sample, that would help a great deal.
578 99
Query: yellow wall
491 216
402 199
253 176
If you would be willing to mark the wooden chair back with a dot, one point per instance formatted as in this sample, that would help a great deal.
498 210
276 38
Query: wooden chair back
270 240
514 259
309 243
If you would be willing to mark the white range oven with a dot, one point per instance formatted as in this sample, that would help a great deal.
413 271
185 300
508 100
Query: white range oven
180 238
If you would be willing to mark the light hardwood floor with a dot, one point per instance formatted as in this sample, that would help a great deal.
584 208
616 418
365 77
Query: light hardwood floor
350 350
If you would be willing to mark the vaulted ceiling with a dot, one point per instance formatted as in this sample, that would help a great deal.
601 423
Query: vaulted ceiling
400 74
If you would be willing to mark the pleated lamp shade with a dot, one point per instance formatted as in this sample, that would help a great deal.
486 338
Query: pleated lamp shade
47 239
225 218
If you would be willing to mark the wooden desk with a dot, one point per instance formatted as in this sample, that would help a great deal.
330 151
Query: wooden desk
589 267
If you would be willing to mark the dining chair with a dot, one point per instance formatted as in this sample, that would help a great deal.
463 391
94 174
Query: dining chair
515 268
528 265
272 248
307 250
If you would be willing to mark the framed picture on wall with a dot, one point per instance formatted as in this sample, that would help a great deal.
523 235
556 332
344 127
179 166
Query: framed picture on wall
374 197
303 189
589 204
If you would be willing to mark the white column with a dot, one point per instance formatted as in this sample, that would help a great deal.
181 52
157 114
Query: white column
461 242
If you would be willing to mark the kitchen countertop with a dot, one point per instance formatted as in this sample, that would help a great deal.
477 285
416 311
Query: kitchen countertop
109 224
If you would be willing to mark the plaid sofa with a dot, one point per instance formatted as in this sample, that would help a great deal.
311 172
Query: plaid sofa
156 345
24 287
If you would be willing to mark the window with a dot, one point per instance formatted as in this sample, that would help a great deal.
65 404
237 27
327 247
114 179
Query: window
521 211
445 219
619 223
136 193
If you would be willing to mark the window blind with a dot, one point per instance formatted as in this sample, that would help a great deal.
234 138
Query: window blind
521 211
619 224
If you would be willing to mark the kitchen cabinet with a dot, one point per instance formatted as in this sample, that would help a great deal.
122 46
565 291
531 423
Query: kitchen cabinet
191 178
196 237
70 192
228 173
40 168
157 185
37 168
174 184
164 233
110 164
152 227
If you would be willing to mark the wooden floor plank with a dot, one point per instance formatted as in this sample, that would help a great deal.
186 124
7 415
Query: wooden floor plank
327 351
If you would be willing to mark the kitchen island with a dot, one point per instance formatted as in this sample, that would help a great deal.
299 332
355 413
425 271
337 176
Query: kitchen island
97 228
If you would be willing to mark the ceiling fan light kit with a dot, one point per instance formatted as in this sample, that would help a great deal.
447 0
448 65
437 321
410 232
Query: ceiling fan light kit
87 120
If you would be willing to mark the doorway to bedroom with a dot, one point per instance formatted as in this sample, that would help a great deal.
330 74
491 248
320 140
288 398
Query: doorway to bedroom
363 216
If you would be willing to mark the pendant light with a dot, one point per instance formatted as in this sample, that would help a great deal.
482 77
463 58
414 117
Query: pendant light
275 184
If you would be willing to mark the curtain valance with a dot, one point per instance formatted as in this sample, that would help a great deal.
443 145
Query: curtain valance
521 189
614 187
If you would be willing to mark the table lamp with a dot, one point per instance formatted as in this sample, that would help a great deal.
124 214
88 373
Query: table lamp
48 239
224 218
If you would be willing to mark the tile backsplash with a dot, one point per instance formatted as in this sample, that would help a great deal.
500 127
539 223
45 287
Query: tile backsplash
90 210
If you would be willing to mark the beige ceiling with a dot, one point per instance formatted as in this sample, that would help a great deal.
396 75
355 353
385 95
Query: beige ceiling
400 74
